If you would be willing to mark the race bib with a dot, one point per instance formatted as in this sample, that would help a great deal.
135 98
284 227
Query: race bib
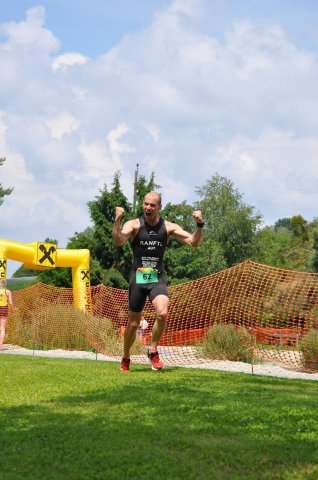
146 275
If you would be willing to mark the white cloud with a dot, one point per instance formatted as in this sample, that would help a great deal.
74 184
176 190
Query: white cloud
97 163
153 130
14 171
62 124
171 97
277 169
68 60
189 8
115 146
29 33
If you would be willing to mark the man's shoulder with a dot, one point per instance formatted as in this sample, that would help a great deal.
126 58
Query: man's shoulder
170 226
133 222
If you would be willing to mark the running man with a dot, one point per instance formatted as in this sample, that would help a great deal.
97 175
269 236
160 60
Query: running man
148 237
5 301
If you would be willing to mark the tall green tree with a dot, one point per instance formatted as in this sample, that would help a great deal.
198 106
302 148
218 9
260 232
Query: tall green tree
183 263
230 223
271 243
83 239
280 249
4 191
142 188
283 223
102 212
299 227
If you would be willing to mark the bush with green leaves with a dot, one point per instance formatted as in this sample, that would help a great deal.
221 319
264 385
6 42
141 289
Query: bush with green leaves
311 318
228 342
114 278
289 303
309 349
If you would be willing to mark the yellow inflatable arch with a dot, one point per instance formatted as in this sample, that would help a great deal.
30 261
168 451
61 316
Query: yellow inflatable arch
44 256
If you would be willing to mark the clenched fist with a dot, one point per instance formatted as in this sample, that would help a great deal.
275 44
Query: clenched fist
119 212
197 215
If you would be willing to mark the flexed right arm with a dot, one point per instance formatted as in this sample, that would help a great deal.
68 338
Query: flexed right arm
121 235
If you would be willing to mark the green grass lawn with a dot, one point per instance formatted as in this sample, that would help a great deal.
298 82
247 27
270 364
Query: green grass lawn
77 419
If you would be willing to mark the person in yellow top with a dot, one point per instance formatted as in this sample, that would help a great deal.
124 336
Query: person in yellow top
5 301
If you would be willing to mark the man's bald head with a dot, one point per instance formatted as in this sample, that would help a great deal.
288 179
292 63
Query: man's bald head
153 197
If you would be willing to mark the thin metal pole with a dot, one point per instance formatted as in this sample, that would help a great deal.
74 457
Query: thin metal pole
135 189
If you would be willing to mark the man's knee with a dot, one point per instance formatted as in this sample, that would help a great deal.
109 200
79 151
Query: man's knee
133 325
161 304
162 315
134 319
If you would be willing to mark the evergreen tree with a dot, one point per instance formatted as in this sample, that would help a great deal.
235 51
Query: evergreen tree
142 188
102 212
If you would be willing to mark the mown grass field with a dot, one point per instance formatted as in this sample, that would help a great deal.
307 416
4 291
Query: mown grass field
77 419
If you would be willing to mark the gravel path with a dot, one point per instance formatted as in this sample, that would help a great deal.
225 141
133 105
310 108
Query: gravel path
268 370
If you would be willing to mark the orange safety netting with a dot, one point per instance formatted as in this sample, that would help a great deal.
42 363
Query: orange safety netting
250 312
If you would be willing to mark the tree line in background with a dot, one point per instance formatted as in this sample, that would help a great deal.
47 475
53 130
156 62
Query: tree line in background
233 234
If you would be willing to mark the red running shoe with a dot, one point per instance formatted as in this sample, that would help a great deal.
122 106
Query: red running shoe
154 359
124 365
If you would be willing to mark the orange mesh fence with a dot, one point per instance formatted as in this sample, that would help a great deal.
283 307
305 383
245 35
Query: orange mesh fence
44 317
249 313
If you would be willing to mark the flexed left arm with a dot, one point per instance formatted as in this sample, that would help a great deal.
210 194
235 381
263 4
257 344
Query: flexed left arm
186 238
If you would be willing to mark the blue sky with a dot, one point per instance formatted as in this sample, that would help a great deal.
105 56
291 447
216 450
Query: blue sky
94 26
186 88
91 27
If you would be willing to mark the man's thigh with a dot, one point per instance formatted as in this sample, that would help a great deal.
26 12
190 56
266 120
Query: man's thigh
161 303
137 295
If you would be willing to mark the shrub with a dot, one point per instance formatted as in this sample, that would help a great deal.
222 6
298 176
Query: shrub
114 278
309 349
312 318
267 320
289 304
227 342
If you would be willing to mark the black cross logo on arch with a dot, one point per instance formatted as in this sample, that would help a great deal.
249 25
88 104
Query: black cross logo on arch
3 264
85 274
47 253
